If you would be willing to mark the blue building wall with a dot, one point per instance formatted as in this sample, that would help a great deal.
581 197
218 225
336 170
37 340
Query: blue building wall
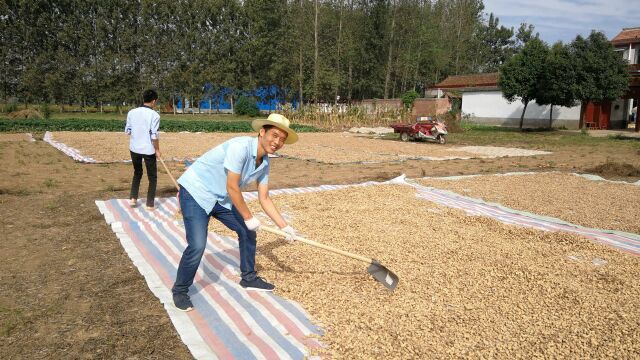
266 98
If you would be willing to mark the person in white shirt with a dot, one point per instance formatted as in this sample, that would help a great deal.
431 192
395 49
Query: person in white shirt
142 126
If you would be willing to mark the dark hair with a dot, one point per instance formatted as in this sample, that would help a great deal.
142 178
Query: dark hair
149 95
268 127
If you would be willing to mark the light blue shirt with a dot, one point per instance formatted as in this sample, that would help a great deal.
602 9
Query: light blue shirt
206 178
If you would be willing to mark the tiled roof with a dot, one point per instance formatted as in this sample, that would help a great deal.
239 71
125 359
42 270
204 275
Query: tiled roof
468 81
627 36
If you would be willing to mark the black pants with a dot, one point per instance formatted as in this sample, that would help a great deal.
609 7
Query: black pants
152 175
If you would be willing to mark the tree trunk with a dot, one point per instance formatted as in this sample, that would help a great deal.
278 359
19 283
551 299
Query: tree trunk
173 103
583 109
523 111
301 77
387 76
339 48
551 117
457 66
350 82
315 56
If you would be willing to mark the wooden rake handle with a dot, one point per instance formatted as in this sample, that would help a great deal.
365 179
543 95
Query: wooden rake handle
298 238
169 172
318 245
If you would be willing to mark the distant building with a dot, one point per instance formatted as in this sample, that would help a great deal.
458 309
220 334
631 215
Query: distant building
627 42
483 103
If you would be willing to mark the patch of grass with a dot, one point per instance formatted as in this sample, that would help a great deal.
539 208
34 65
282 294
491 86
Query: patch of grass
52 206
50 183
513 137
17 192
113 188
612 168
31 125
9 320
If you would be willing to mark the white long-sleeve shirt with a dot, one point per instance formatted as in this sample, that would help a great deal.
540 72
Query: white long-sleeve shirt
142 124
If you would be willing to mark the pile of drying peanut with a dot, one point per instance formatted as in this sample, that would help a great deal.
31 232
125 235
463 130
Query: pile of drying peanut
114 147
14 137
321 147
469 286
596 204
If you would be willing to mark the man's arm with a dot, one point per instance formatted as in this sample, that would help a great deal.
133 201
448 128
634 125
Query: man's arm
269 207
127 126
156 146
235 194
155 126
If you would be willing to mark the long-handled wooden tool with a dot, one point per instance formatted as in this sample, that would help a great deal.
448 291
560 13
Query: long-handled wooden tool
377 270
169 172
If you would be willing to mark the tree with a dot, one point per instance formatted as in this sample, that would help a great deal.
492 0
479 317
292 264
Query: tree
520 76
524 34
601 73
495 45
558 80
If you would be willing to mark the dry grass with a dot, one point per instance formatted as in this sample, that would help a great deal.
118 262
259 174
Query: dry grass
26 114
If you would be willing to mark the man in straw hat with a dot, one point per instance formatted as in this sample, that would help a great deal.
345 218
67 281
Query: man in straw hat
211 187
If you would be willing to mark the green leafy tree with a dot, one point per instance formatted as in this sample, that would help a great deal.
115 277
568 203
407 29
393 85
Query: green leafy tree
601 73
524 34
520 76
408 98
557 82
247 106
495 45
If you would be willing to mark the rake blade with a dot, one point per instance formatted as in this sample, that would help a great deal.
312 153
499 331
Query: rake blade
383 275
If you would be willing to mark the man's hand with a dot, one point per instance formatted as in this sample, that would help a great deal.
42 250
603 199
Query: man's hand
253 224
291 233
158 154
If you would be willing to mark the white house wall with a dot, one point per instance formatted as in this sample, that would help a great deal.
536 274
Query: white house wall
618 112
489 107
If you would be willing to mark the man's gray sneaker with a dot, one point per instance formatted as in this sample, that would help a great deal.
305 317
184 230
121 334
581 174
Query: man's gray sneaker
182 302
257 284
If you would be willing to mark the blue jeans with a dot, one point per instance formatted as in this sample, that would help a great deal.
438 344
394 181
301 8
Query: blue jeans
196 222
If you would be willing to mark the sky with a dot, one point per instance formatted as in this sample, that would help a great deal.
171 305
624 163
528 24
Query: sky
563 20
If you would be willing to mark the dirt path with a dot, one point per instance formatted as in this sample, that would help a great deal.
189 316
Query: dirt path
70 291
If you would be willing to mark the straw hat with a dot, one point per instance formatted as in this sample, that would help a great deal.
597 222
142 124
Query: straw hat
278 121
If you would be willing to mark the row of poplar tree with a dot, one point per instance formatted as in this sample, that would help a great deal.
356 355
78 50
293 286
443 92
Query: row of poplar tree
95 52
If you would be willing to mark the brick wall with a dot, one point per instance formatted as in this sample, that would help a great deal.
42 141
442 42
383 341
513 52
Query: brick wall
373 105
430 107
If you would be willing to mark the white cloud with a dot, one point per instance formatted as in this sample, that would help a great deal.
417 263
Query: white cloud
564 19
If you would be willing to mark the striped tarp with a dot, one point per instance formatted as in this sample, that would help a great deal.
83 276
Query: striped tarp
68 150
622 240
228 322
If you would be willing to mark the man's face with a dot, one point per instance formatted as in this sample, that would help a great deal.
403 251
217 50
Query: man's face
273 139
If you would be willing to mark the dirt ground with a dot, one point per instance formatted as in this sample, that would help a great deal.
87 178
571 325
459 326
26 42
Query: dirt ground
69 289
